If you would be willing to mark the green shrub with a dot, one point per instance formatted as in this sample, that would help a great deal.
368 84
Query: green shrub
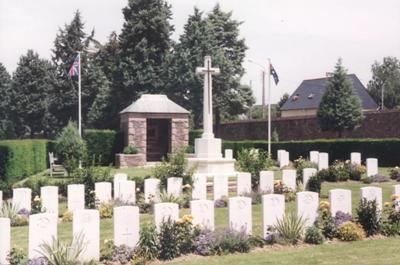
355 171
314 236
314 184
300 164
17 257
253 160
168 247
22 158
394 173
103 144
70 147
175 165
289 229
130 150
349 231
193 134
368 216
326 222
231 241
386 150
147 245
391 218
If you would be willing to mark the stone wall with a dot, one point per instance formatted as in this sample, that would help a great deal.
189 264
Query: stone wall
179 133
375 125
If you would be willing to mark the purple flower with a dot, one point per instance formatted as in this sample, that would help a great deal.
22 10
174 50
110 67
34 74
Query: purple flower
342 217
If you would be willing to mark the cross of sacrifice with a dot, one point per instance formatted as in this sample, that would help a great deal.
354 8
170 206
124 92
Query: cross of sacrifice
208 72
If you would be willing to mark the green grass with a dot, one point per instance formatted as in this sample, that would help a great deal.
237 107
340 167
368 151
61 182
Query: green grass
369 252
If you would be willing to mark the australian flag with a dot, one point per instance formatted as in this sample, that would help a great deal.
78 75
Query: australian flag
74 70
274 74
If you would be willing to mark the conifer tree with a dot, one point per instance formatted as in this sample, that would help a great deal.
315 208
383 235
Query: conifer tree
339 109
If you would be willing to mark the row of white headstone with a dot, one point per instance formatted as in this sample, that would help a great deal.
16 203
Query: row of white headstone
126 224
322 160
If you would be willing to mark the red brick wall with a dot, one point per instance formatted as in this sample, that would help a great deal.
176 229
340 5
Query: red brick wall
375 125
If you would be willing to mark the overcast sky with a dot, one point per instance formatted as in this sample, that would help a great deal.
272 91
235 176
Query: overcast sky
303 38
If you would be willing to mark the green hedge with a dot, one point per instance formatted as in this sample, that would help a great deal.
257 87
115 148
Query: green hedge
386 150
22 158
193 134
103 145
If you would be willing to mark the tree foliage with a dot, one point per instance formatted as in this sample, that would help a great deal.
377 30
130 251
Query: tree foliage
6 126
339 109
386 76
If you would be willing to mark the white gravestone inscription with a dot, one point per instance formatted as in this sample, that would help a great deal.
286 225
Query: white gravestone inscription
49 195
340 200
243 183
126 226
5 239
273 209
307 206
22 198
76 197
86 223
202 212
240 214
266 182
42 230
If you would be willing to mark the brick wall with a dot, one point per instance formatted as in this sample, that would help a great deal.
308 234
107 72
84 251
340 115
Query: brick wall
375 125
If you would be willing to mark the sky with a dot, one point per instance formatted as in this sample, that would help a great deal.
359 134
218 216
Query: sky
303 38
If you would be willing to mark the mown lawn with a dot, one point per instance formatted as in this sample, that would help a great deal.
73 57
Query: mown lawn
369 252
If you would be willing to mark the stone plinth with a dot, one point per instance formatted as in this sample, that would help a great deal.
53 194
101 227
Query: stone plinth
134 160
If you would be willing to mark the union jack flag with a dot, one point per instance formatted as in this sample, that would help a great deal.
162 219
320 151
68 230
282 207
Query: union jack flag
274 74
74 70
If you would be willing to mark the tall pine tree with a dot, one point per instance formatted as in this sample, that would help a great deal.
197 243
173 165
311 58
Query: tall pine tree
144 43
339 109
6 126
33 80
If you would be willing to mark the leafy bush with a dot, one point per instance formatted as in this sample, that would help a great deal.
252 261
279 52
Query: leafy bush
67 217
186 234
231 241
325 220
289 229
60 253
70 147
16 257
9 210
204 243
349 231
253 161
314 236
368 216
355 171
167 197
391 218
116 254
386 150
314 184
394 173
22 158
103 144
175 165
130 150
280 188
106 210
168 247
221 203
148 248
36 205
342 217
300 164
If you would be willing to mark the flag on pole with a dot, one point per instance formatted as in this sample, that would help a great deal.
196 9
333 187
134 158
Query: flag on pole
274 74
74 70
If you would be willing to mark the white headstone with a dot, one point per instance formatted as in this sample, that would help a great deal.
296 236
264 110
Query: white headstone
127 192
164 211
22 198
86 223
49 195
289 178
199 191
372 193
314 157
266 182
243 183
76 197
151 189
126 226
1 199
220 186
307 206
340 200
42 229
372 166
202 212
228 153
323 161
273 209
240 214
307 174
5 240
355 158
174 186
284 161
279 154
117 178
103 191
396 189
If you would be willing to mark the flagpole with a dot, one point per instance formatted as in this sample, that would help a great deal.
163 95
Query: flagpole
269 107
79 97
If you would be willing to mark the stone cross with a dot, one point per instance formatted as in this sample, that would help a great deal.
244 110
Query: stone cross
208 72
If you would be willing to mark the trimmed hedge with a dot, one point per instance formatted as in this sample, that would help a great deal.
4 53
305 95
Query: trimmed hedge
386 150
103 145
22 158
